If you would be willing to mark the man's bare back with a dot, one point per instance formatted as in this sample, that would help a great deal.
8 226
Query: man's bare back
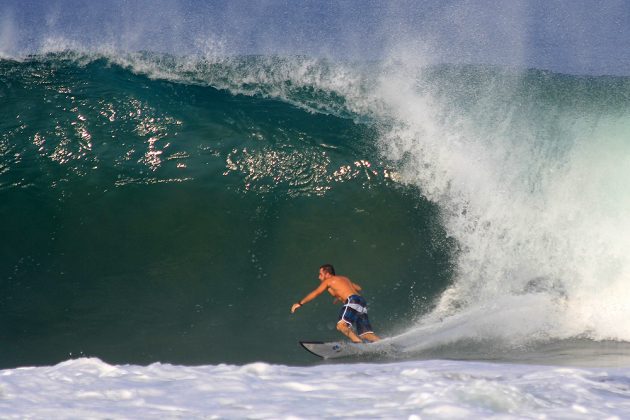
341 287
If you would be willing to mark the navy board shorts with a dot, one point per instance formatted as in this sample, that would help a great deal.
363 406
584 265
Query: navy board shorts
354 312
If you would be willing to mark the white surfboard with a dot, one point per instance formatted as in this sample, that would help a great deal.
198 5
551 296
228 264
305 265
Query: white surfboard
335 349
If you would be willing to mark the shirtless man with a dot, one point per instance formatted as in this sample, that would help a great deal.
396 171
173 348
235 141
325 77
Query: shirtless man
354 310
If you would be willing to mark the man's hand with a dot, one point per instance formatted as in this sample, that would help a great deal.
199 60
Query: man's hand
294 307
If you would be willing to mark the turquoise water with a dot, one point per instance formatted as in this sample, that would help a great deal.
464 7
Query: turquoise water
151 220
172 209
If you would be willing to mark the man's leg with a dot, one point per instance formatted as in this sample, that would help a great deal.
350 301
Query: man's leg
370 337
347 331
365 329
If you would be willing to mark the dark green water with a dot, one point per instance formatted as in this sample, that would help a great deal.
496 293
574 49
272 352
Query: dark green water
172 209
147 220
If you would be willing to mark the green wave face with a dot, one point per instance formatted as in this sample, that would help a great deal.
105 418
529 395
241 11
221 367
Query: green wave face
168 220
163 208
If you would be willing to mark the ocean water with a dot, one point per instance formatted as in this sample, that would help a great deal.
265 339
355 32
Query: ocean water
162 213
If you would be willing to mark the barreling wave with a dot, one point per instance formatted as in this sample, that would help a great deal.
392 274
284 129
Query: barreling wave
516 234
85 96
163 207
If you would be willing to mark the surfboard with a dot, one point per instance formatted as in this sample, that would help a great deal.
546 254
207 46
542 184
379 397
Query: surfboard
335 349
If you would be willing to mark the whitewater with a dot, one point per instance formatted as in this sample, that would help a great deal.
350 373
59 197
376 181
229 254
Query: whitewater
90 388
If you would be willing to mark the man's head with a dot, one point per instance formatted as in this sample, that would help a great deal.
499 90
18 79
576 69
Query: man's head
326 271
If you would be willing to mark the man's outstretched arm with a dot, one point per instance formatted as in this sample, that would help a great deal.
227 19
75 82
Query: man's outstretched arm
322 287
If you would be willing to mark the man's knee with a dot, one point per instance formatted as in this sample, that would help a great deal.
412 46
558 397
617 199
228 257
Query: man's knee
342 326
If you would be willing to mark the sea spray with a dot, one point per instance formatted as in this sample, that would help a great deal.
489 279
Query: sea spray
522 166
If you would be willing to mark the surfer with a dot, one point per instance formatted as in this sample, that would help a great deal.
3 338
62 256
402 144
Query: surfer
354 310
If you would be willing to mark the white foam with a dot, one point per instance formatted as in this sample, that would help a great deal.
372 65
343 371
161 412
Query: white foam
90 388
534 201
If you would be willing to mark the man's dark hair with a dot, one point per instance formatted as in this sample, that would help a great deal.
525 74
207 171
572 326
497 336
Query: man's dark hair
328 268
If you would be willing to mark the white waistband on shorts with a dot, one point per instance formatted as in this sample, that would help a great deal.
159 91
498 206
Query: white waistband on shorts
360 309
